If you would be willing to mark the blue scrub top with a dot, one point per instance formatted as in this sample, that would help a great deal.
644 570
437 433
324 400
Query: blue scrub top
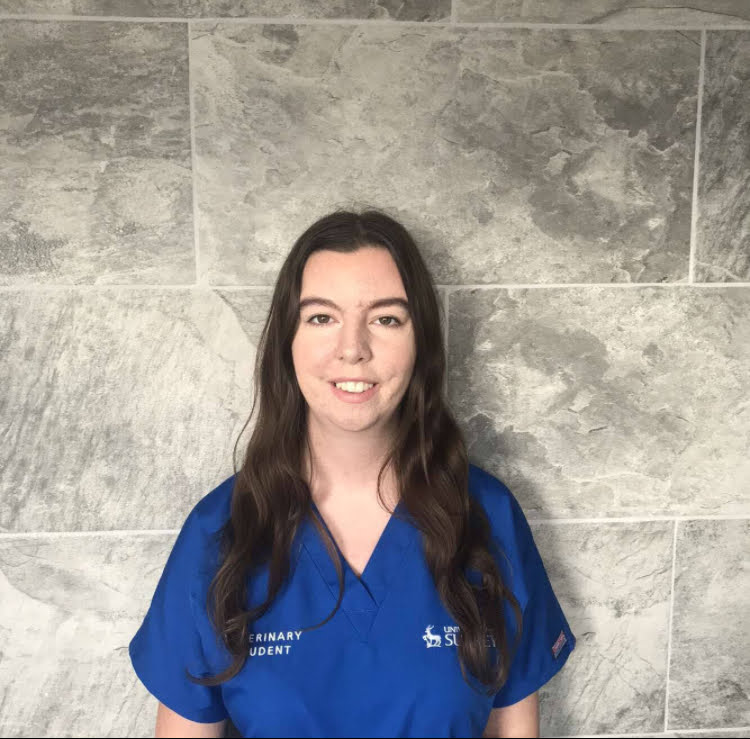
385 665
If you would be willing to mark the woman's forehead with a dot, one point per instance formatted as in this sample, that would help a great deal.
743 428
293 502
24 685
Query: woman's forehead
367 274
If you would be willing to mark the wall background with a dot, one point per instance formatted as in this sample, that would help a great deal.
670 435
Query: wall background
576 173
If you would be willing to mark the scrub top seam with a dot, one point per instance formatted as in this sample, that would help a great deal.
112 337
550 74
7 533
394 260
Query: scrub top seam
330 588
355 631
391 587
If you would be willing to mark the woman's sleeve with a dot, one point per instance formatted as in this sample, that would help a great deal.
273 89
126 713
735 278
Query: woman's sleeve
168 641
546 638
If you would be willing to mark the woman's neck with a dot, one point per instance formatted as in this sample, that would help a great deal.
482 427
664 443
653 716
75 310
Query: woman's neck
347 466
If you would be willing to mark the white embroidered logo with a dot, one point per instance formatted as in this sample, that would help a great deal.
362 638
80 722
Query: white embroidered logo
449 638
430 639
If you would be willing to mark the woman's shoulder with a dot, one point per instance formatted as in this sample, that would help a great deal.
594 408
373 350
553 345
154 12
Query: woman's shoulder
213 510
493 494
518 555
198 541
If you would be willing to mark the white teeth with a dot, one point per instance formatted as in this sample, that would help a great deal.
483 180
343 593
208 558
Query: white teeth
354 387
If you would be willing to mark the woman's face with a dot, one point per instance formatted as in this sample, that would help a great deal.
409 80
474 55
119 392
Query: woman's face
349 338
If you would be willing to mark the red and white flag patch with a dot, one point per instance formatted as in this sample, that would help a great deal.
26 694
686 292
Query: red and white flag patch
559 644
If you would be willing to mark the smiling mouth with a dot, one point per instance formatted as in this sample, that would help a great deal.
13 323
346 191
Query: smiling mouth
354 392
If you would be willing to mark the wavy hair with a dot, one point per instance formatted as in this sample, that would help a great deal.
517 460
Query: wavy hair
270 496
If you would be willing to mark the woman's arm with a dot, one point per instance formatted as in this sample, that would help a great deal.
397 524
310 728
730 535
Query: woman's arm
519 720
169 724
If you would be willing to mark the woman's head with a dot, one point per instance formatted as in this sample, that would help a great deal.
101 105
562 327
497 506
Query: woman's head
352 259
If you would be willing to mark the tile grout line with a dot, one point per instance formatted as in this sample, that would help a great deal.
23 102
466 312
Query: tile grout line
453 11
8 535
80 534
191 109
657 734
488 286
669 626
638 519
743 24
563 285
696 160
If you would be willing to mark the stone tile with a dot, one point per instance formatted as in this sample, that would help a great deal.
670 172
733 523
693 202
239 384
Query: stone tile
529 156
719 733
69 607
121 405
613 582
728 733
709 672
723 229
620 12
95 146
607 401
411 10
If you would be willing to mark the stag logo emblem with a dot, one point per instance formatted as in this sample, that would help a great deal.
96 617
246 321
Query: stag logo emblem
430 639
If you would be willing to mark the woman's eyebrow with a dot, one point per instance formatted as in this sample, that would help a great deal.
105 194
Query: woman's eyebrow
380 303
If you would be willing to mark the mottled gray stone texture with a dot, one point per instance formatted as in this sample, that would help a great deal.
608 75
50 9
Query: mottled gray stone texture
92 442
571 153
710 675
620 12
69 607
95 151
723 226
410 10
720 734
600 401
157 162
614 580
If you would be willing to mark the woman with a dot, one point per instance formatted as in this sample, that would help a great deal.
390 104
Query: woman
357 576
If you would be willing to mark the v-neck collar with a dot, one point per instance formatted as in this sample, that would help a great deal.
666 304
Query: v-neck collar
363 595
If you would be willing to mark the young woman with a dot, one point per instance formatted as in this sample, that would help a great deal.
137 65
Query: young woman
357 576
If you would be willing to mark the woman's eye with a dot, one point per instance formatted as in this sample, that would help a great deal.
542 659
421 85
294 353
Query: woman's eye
392 318
318 315
312 320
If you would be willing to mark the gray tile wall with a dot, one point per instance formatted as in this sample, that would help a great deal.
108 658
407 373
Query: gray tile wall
577 174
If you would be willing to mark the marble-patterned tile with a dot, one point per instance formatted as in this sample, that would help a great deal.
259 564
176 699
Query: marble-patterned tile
607 401
620 12
69 606
718 733
722 251
95 151
709 672
529 155
408 10
733 733
120 404
613 582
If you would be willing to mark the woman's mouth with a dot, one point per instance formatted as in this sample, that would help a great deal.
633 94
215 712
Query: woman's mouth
357 392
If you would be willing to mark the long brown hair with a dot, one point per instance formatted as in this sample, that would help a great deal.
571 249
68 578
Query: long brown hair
270 497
